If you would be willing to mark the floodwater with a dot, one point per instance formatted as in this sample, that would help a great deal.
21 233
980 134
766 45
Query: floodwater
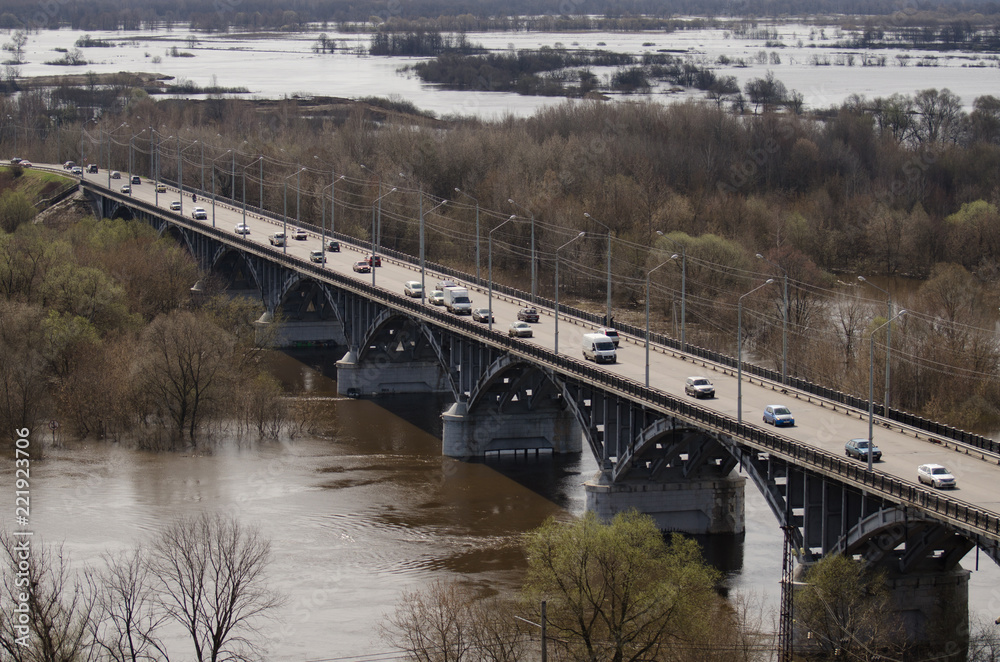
280 65
357 513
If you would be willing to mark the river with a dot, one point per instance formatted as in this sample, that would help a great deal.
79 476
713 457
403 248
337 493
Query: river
357 513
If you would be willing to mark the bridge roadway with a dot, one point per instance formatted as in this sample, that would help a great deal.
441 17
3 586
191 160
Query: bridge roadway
817 423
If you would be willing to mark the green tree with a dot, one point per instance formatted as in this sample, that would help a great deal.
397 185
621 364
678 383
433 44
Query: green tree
848 608
618 591
15 209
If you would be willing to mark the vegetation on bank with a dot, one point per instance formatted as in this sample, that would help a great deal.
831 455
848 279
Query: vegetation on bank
99 331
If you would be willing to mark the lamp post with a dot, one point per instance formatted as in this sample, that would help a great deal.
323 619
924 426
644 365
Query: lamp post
648 274
458 190
333 201
607 315
213 185
111 138
284 210
556 346
423 268
739 350
180 169
784 321
374 235
534 268
261 159
156 179
888 338
490 259
871 383
683 257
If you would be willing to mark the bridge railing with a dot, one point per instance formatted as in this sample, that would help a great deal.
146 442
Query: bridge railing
903 418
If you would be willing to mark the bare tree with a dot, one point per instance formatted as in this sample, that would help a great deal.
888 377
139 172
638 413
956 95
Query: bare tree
127 616
211 580
50 607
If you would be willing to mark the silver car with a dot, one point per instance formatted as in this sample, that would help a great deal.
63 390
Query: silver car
437 298
936 476
413 288
519 330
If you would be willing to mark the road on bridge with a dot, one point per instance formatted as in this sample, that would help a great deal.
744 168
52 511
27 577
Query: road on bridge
817 425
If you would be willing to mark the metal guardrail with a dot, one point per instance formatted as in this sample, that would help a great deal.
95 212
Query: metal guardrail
838 397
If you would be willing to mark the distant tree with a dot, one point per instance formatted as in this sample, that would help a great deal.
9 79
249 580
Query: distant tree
848 608
618 591
766 93
985 119
127 619
15 209
939 116
16 46
211 581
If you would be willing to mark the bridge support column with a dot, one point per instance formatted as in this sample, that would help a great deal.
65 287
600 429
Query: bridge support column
385 378
697 506
471 434
934 607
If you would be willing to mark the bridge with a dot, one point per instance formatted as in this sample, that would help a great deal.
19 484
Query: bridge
683 461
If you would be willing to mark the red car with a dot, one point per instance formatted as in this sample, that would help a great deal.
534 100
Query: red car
378 261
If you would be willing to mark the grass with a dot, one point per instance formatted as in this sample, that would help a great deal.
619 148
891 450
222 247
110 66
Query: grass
35 184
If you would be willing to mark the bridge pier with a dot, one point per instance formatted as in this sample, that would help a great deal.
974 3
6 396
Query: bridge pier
699 506
386 377
934 607
472 434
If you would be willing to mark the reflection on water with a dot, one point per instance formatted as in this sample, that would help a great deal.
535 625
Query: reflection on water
357 514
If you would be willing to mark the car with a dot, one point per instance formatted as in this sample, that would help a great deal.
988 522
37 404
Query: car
610 333
69 165
92 168
377 261
317 256
936 476
519 330
25 164
482 315
413 288
362 267
528 315
778 415
199 214
436 298
858 449
115 174
445 284
175 205
333 246
16 160
161 188
698 387
241 228
277 239
136 179
77 170
300 235
126 189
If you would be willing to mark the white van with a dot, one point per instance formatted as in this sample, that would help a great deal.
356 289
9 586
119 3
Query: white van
599 347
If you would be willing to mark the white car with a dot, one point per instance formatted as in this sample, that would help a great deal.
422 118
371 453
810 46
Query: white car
436 297
935 475
175 205
519 330
242 228
413 288
300 235
199 214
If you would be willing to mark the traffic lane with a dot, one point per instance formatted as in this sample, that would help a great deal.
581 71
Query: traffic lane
815 425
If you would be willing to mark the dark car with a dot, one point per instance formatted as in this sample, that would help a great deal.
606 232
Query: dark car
482 315
92 168
377 261
136 179
333 246
858 449
528 315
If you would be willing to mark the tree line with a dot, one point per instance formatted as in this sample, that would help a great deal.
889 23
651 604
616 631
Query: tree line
98 329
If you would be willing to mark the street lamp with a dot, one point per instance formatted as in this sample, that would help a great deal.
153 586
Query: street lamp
111 138
423 268
261 159
213 184
607 315
374 235
556 347
871 383
131 165
284 210
648 274
180 170
490 257
160 140
683 257
739 350
888 337
534 270
784 322
333 203
458 190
